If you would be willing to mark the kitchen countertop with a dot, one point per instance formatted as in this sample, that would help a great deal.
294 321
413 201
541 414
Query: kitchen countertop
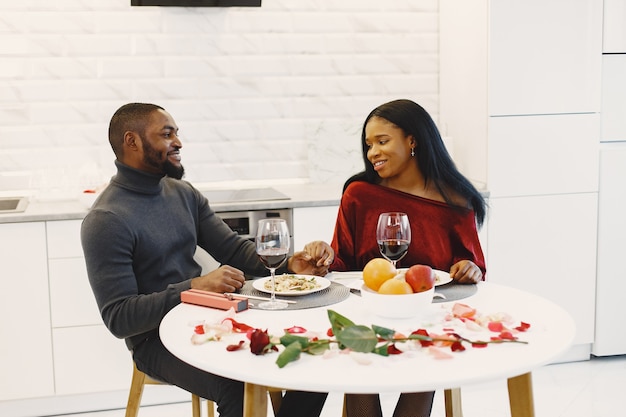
300 195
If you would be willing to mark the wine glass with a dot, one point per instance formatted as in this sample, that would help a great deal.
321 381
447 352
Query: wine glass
272 246
393 234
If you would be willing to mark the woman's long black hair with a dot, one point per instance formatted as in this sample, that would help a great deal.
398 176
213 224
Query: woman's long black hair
431 154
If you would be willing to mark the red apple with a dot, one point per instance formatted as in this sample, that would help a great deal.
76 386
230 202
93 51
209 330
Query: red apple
420 277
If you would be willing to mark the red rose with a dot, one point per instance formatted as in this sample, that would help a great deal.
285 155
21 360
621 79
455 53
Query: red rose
260 342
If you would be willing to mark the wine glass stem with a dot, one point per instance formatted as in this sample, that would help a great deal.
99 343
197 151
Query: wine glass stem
273 293
393 263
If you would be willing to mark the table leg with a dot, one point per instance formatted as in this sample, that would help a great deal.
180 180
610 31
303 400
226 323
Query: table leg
521 396
254 400
453 402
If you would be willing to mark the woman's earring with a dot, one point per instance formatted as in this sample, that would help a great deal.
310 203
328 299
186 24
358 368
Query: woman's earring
412 151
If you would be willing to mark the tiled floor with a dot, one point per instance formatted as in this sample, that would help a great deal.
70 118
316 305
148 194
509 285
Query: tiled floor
580 389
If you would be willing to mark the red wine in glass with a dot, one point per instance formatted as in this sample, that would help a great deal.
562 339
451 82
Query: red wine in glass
394 250
272 258
393 235
272 246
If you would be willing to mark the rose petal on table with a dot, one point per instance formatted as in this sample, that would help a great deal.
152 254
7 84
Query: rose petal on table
438 353
463 310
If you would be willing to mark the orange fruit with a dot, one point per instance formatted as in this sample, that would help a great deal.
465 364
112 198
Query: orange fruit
396 285
377 271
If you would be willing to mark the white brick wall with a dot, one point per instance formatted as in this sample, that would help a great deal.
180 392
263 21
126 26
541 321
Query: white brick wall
276 93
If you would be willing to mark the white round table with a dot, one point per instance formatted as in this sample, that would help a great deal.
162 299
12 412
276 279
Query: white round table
551 333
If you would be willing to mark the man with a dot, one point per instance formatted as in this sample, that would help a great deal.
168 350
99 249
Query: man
139 239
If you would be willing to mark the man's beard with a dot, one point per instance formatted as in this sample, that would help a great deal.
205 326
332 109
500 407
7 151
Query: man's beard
154 159
173 171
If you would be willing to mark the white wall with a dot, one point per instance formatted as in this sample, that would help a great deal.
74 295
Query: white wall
269 93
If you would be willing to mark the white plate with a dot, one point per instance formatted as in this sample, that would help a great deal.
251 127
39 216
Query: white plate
259 284
441 277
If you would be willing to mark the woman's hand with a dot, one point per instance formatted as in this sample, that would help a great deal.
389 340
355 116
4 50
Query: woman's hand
314 259
224 279
466 272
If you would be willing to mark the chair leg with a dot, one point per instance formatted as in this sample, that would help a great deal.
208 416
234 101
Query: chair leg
195 406
276 397
210 408
139 380
135 393
453 402
521 398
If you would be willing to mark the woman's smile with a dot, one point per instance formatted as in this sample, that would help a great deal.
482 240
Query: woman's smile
378 165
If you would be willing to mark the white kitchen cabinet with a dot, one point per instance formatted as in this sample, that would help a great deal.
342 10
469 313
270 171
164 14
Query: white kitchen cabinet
611 282
614 30
313 223
71 299
546 245
64 239
89 359
26 348
545 56
520 95
514 58
543 154
613 97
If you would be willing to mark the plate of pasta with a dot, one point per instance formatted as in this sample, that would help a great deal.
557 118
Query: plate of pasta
292 284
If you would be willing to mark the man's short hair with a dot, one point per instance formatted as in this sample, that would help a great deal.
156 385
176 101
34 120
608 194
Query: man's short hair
131 116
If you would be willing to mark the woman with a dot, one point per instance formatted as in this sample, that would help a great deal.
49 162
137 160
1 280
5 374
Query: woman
408 169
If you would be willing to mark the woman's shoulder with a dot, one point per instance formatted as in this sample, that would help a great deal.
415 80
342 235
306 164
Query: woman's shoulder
362 191
361 187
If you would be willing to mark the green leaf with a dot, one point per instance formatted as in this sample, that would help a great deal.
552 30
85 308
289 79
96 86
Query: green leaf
358 338
383 332
338 322
290 354
289 338
318 347
313 347
382 350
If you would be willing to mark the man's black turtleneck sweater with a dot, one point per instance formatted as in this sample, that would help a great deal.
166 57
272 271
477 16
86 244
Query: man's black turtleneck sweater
139 239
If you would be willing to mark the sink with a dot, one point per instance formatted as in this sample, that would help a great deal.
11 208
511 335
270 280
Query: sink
13 204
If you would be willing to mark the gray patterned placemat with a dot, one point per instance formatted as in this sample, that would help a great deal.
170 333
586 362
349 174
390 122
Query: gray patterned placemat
454 291
331 295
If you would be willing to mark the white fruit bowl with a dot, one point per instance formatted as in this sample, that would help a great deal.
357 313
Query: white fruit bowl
397 306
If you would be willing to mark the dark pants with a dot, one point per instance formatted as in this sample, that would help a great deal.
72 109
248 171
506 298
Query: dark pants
153 359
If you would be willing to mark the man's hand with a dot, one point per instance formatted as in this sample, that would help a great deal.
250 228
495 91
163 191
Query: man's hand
223 279
314 259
